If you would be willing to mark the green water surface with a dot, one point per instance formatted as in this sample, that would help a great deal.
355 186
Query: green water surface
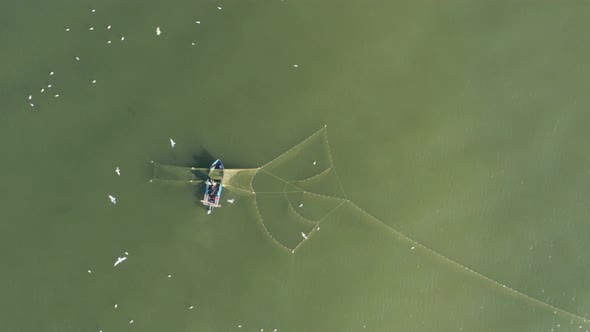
458 131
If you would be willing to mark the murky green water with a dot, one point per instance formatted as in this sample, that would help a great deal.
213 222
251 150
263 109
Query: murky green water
458 132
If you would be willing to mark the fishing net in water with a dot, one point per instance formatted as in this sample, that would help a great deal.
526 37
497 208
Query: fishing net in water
299 202
297 190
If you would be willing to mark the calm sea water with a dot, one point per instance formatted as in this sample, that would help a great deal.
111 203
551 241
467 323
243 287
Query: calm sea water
460 128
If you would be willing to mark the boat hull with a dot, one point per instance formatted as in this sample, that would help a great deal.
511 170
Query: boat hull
213 186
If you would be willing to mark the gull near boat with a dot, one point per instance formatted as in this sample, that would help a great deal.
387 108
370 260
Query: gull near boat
213 186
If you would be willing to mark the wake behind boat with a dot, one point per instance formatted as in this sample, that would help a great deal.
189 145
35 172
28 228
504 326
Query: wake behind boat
213 186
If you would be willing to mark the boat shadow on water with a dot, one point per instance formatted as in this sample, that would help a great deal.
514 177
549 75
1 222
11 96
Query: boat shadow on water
203 158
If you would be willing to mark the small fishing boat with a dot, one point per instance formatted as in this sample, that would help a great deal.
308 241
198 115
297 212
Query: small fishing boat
213 186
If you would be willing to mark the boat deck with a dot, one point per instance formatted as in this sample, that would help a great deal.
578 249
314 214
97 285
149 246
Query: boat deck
207 203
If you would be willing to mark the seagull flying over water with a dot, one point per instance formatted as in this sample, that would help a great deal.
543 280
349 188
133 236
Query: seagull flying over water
172 143
113 199
304 236
118 171
120 260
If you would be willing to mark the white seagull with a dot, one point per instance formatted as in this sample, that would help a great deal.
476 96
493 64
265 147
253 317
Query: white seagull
118 170
120 260
158 31
172 143
231 201
304 236
113 199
